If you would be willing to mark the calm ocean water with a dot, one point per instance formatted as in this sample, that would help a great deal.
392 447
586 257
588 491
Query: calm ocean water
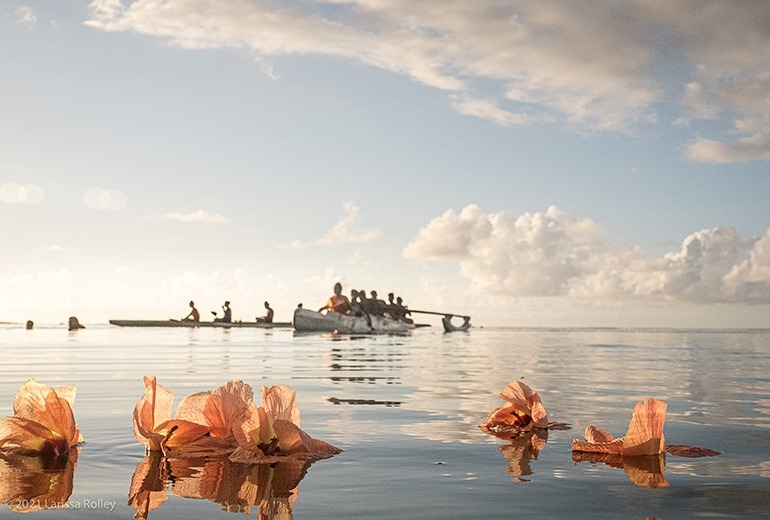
406 411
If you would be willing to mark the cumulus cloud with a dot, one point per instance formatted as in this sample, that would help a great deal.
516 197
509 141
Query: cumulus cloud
15 193
103 199
551 254
200 216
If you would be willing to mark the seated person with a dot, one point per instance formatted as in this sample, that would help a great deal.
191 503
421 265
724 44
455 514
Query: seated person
338 302
267 318
356 309
228 314
373 305
402 311
194 314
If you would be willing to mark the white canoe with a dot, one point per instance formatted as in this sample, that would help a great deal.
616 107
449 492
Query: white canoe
190 323
311 321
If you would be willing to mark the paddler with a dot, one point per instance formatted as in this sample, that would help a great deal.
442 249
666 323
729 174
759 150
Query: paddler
338 302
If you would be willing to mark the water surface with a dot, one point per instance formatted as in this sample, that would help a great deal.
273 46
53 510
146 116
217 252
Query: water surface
406 411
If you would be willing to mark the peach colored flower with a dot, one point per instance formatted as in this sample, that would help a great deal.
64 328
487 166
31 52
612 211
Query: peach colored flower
523 412
42 421
203 424
644 435
271 432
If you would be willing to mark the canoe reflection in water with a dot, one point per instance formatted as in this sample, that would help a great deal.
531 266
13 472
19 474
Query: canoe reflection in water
237 487
33 483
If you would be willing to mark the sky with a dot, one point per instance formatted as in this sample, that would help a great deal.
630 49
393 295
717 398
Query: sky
527 163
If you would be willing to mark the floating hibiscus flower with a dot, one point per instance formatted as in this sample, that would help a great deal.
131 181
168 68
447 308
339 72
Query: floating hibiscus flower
523 412
203 424
271 433
644 436
641 452
42 422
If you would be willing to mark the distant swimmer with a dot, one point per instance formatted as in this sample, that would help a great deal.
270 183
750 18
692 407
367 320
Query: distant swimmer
30 325
267 318
194 314
74 324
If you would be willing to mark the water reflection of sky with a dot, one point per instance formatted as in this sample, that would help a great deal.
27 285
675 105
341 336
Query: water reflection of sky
406 410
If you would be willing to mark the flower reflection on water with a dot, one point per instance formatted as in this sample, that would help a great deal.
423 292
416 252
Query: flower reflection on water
642 451
32 483
237 487
644 470
524 446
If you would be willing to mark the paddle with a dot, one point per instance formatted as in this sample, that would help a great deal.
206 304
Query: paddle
438 313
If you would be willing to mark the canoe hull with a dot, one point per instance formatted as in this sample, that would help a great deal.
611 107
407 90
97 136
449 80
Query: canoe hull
192 324
311 321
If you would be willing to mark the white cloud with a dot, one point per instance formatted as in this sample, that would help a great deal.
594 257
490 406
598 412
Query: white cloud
488 109
599 65
102 199
122 270
538 54
40 279
748 149
749 280
550 254
200 216
348 229
25 15
15 193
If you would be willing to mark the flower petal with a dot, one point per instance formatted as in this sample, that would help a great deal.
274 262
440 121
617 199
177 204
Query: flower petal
227 404
151 412
692 452
292 440
645 431
594 434
279 402
23 435
40 403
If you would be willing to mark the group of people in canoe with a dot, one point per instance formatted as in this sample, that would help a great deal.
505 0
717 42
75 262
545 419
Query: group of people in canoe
360 305
357 305
227 314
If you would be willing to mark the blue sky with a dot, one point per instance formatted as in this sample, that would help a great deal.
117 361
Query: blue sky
527 163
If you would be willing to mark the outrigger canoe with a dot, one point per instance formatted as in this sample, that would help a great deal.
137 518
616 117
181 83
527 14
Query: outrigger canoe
446 321
190 323
311 321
